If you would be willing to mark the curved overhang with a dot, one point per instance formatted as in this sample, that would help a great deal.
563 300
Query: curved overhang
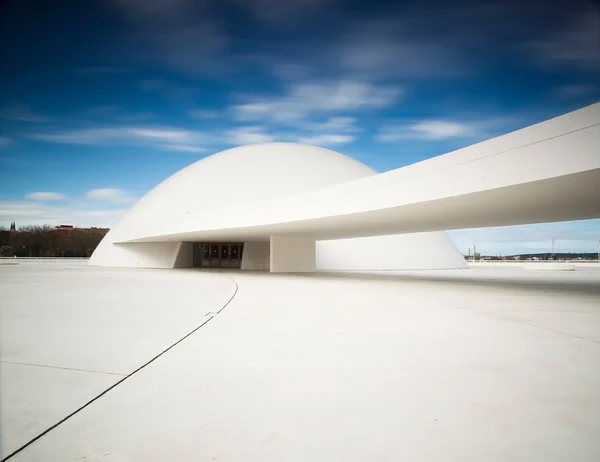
543 173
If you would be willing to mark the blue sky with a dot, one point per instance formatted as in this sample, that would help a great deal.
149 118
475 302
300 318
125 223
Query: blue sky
101 100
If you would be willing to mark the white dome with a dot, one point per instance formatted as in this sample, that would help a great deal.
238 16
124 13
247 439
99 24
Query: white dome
237 176
244 175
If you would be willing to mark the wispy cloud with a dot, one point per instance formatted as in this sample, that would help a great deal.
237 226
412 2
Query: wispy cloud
400 46
247 135
470 125
184 148
182 35
21 113
39 213
335 124
306 99
427 130
45 196
128 135
5 141
575 45
110 195
327 139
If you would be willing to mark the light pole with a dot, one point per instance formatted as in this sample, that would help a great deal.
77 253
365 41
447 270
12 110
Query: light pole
598 245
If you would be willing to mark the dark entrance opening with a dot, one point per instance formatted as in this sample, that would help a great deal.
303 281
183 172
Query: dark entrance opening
218 255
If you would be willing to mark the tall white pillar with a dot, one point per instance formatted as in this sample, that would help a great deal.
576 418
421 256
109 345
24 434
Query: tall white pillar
292 254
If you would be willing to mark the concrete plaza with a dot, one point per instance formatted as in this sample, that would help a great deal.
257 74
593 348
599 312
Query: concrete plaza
484 364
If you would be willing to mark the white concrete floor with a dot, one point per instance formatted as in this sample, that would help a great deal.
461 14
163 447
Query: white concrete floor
489 364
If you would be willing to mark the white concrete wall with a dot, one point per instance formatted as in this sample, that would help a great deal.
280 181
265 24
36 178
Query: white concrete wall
256 256
136 255
292 254
397 252
185 257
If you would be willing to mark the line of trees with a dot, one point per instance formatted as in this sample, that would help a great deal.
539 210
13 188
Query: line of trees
46 241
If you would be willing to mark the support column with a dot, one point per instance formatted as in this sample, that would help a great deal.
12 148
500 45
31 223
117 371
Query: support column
292 254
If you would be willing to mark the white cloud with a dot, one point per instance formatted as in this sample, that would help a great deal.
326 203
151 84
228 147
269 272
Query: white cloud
306 99
123 136
39 213
327 139
395 47
577 236
183 148
21 113
335 124
247 135
109 195
441 129
167 135
5 141
427 130
45 196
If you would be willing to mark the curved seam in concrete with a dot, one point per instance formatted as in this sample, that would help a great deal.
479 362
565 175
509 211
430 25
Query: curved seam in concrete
131 374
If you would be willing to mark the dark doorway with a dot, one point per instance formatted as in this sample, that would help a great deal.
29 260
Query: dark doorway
218 255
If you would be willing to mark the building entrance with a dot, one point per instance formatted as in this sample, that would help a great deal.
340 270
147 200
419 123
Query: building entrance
218 255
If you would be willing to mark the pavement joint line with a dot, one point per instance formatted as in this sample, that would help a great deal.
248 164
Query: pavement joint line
60 367
119 382
568 334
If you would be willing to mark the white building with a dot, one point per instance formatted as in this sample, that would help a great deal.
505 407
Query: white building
246 175
289 207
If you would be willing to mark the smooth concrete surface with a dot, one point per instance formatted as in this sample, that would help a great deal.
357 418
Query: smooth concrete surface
292 254
550 267
66 333
485 363
256 256
395 252
185 256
